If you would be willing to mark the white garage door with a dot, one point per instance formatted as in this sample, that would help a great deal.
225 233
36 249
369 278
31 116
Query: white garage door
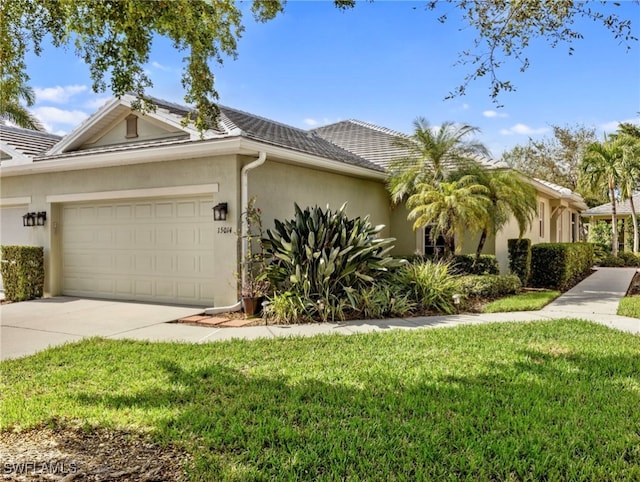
158 250
12 231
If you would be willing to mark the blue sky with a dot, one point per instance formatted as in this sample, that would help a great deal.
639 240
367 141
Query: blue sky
386 62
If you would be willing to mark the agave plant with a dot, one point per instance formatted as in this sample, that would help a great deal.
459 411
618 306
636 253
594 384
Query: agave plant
322 255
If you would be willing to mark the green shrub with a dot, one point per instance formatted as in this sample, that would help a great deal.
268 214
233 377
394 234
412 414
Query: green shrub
429 285
466 264
629 259
612 261
600 251
22 272
382 300
322 257
560 265
488 286
601 233
520 258
287 308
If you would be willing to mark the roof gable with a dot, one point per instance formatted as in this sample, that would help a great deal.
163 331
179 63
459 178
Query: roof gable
107 127
106 130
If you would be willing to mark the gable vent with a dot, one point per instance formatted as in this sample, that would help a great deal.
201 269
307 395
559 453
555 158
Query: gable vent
132 126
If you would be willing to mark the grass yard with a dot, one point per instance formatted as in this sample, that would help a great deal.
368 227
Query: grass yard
527 301
554 400
630 306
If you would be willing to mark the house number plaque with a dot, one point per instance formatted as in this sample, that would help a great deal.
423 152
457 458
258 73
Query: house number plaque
225 230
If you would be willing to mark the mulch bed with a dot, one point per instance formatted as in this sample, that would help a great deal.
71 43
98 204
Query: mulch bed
69 454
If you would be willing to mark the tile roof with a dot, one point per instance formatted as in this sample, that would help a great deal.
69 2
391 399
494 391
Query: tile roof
26 141
375 143
560 189
276 133
369 141
622 208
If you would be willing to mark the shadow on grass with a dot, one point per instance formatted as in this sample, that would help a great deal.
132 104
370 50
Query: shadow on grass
549 414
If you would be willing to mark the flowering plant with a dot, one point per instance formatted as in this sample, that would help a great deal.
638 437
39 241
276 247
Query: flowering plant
253 282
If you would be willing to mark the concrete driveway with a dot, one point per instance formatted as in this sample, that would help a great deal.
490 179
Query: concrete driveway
31 326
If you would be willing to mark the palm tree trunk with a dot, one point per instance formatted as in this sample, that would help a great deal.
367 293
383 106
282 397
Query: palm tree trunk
614 221
449 246
634 218
483 239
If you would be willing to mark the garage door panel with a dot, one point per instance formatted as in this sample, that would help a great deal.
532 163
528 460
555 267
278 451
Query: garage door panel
155 250
187 209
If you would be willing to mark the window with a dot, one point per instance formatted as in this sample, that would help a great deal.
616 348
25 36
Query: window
574 227
132 126
432 247
541 218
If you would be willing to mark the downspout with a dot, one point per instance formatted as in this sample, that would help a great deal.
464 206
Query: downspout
244 201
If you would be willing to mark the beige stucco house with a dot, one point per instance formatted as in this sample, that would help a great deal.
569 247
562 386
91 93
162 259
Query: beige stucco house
129 198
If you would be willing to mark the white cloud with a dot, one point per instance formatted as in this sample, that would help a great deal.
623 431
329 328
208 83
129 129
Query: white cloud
523 129
465 106
613 125
159 66
58 94
53 115
492 113
310 122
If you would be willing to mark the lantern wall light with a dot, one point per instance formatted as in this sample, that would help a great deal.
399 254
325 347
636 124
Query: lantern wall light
34 219
220 212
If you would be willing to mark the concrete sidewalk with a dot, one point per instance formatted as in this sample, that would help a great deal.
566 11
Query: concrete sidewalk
32 326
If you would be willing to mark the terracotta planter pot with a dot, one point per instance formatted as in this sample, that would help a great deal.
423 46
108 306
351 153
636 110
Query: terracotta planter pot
252 305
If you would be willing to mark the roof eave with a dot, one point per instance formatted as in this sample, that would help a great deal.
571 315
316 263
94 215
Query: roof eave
195 149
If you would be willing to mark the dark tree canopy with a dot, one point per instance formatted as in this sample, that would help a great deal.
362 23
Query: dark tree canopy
114 37
555 159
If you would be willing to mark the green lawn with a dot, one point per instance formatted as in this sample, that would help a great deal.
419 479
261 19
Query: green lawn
554 400
528 301
629 306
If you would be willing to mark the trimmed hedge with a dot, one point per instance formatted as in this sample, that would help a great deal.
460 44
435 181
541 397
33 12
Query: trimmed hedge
624 259
488 286
560 266
466 264
22 272
520 258
612 261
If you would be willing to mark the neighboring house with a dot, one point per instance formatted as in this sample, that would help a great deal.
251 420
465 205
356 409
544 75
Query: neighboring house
623 212
129 198
559 208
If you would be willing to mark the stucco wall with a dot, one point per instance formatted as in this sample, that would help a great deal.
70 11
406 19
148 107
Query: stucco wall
277 185
408 242
221 170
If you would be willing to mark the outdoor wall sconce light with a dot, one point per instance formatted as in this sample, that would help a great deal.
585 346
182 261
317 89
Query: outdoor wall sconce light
220 212
41 218
34 219
29 219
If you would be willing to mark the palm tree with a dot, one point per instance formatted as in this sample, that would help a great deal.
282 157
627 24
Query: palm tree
449 207
11 92
430 154
630 176
509 195
602 168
